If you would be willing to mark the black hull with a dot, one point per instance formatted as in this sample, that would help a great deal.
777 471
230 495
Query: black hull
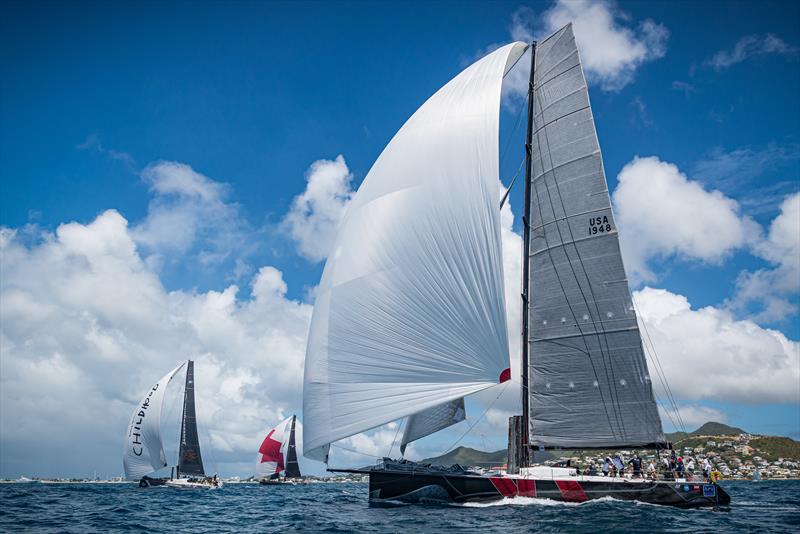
148 482
387 488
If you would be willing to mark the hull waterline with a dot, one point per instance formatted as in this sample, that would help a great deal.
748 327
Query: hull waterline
387 488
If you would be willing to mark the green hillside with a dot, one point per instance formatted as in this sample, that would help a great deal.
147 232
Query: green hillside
467 456
709 429
770 448
717 429
774 447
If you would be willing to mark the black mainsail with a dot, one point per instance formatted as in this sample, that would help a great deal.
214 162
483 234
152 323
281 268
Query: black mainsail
190 462
587 380
292 467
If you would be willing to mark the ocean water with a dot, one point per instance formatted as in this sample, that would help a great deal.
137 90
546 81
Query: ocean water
768 506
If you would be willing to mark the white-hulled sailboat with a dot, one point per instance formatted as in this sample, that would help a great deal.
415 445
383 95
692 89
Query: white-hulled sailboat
410 313
144 447
278 455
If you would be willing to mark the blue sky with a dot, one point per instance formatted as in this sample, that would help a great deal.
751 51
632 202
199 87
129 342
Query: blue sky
248 96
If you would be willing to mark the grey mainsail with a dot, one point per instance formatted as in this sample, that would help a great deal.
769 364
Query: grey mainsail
589 386
190 462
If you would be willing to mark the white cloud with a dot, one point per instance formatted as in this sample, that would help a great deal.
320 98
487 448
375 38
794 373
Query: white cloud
611 47
315 214
707 353
771 288
188 214
661 213
751 46
693 416
86 326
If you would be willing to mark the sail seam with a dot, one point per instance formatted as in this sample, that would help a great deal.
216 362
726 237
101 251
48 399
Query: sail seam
580 287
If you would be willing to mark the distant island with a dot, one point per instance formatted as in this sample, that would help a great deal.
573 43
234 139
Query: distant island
735 452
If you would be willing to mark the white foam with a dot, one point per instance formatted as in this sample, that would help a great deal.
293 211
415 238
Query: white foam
528 501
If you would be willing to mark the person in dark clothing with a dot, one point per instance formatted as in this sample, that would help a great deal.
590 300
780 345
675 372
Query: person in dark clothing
636 463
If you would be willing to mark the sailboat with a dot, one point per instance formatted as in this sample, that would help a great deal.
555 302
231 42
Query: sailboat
278 454
410 315
144 447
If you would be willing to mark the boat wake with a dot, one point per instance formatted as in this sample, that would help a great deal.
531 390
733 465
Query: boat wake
532 501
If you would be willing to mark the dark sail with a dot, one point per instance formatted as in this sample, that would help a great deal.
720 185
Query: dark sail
589 386
292 467
190 461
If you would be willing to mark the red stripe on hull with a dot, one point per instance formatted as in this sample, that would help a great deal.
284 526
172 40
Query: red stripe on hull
527 488
505 486
571 491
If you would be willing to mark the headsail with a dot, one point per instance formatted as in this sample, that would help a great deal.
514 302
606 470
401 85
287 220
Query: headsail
270 454
190 462
588 379
144 450
432 420
410 311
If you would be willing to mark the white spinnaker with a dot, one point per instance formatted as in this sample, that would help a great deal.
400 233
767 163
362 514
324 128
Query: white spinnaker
272 451
144 450
432 420
410 311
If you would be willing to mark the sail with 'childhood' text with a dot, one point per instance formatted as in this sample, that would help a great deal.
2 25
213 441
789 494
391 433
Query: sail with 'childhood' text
589 386
410 311
144 449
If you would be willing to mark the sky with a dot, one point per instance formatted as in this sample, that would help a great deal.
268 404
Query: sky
171 176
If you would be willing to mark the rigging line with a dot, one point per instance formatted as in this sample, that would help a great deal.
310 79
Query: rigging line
613 391
569 304
394 440
659 368
662 378
510 185
478 420
517 122
353 450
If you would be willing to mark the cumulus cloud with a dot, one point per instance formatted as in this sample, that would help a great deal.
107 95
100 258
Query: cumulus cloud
708 353
692 416
87 326
661 213
315 214
751 46
612 47
189 214
771 288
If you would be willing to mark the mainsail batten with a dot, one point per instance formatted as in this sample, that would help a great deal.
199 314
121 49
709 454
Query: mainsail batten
144 448
410 312
588 381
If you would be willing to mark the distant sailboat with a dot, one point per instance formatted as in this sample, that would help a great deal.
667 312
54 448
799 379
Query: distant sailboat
410 312
278 454
144 448
756 475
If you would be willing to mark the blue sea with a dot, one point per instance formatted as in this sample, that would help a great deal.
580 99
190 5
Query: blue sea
772 506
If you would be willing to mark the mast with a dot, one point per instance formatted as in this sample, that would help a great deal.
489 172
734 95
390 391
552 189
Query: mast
189 460
292 467
519 453
526 217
